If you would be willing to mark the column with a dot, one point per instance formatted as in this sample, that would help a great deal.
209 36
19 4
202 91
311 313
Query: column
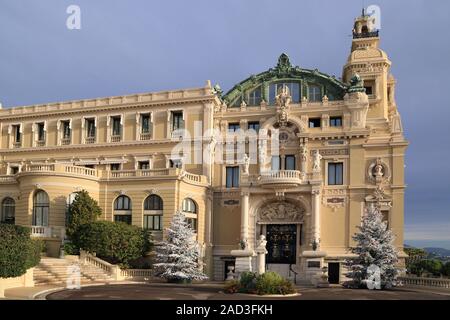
244 215
316 216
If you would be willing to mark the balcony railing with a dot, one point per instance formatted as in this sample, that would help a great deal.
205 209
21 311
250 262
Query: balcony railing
145 136
48 232
116 138
90 140
17 144
361 35
65 141
278 178
40 143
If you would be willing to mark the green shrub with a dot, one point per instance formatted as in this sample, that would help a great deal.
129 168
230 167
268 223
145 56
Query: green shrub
266 283
82 210
446 269
18 252
232 286
70 249
115 242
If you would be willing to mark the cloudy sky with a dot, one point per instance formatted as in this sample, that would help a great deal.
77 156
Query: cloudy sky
136 46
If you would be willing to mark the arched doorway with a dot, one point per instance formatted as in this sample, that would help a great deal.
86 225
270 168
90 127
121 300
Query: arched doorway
281 221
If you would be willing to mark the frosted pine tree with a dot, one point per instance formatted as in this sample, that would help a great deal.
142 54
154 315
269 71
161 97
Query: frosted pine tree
178 256
374 248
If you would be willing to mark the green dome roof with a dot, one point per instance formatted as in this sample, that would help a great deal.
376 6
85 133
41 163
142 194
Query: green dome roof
284 71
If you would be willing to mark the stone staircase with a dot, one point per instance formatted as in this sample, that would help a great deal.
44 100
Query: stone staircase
53 271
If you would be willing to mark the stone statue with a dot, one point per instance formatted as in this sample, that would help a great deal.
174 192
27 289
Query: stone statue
246 163
261 244
378 170
316 161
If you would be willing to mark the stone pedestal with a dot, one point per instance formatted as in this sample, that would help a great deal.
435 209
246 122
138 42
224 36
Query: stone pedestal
243 260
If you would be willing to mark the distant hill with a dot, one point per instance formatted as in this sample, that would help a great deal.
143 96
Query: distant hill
437 251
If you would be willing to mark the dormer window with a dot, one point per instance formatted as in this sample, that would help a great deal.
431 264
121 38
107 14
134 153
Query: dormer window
314 93
254 97
294 91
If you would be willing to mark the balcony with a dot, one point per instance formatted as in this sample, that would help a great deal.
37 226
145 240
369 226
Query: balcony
116 138
48 232
281 179
145 136
17 144
90 140
40 143
65 141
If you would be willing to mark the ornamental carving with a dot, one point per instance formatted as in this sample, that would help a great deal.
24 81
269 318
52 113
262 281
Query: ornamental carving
378 172
282 211
283 99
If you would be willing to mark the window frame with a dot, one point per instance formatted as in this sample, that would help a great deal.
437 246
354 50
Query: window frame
333 177
335 120
232 177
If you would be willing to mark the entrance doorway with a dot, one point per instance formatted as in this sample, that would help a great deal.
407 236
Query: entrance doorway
333 272
281 243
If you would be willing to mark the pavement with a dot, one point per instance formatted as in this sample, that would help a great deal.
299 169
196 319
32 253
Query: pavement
213 291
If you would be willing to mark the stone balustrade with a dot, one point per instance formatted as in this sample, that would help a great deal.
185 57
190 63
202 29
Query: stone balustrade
278 178
58 232
425 282
105 174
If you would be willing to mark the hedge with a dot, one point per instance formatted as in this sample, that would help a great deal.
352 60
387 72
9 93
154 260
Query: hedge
18 252
115 242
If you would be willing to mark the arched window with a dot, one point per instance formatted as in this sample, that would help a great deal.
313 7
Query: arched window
254 97
190 211
122 209
8 211
41 206
153 202
153 213
189 206
294 91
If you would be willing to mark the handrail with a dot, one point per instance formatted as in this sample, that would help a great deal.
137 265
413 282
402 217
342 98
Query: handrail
295 273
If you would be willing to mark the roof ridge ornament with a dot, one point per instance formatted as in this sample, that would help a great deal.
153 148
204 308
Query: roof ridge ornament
284 64
356 84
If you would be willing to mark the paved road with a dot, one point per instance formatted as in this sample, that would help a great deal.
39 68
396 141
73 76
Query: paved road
212 291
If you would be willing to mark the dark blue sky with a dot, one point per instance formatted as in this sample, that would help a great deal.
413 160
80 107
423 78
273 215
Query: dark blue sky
135 46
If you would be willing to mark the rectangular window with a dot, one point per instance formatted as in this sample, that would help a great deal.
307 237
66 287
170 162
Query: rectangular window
276 163
66 129
254 125
233 127
116 126
314 122
17 134
232 177
126 218
289 162
153 222
90 128
144 165
41 131
145 123
369 90
192 222
336 122
175 163
14 170
385 217
335 173
177 120
114 166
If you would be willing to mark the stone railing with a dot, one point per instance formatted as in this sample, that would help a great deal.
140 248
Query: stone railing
39 167
135 274
65 141
116 138
81 171
114 271
145 136
426 282
137 173
7 179
194 177
48 232
281 177
90 140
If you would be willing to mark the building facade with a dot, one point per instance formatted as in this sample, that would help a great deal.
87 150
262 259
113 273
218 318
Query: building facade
290 153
